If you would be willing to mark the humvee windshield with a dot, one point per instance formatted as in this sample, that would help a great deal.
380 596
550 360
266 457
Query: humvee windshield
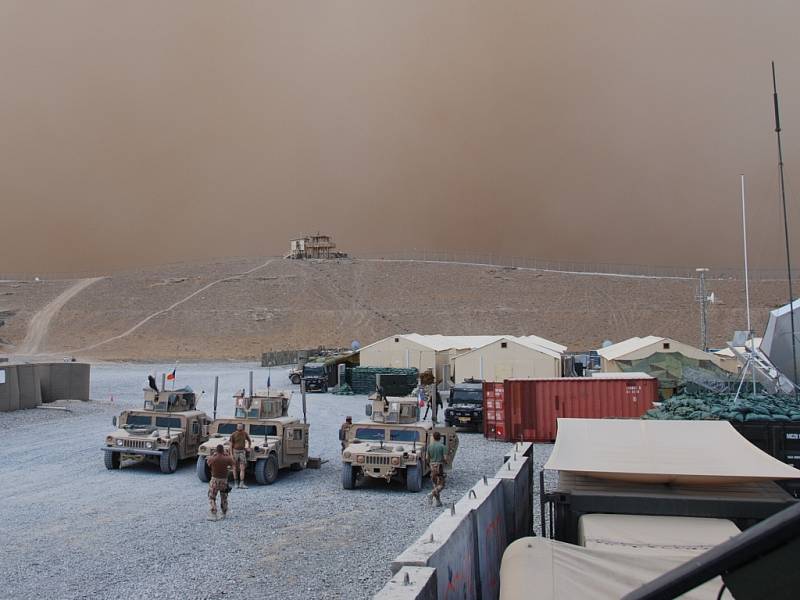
371 434
138 420
404 435
378 434
254 430
166 422
317 370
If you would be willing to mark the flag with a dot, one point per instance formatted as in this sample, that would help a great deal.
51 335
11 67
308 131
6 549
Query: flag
268 381
421 396
171 376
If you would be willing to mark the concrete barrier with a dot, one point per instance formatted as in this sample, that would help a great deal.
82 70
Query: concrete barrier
9 389
410 583
515 475
491 535
448 545
30 391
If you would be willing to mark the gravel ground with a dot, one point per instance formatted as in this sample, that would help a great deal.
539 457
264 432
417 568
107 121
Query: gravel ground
80 531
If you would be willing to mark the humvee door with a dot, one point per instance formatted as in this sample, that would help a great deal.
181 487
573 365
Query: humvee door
295 439
450 441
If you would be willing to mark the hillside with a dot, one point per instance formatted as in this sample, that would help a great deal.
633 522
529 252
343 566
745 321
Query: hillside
219 312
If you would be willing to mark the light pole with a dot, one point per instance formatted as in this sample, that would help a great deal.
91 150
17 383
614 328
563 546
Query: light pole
703 299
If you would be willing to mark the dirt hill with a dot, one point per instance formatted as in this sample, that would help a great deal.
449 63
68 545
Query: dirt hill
238 308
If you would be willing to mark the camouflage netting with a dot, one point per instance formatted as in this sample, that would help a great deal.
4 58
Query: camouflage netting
719 407
343 390
670 366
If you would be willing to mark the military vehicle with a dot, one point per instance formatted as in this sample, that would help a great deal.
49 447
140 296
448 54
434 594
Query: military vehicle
465 406
278 441
167 430
393 444
316 377
296 375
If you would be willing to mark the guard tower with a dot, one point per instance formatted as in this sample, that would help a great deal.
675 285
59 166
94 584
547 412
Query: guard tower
317 245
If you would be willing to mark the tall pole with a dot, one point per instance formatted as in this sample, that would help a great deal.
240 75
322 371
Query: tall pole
785 228
750 334
216 392
703 317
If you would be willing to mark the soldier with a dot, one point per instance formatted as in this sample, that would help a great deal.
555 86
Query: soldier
437 459
344 430
240 442
219 462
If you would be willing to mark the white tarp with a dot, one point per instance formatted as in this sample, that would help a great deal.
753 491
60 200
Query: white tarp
691 452
777 340
535 568
648 534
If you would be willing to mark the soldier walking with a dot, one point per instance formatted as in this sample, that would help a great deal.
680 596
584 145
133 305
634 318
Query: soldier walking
240 442
344 430
437 459
219 462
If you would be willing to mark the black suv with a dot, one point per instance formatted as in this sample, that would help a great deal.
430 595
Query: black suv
315 377
465 406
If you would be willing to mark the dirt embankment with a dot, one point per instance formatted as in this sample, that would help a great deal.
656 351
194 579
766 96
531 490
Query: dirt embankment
238 308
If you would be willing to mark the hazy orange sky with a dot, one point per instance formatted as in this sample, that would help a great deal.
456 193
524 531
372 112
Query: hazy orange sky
145 132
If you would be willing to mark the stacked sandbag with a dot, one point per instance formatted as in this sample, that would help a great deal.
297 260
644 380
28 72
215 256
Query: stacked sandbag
726 408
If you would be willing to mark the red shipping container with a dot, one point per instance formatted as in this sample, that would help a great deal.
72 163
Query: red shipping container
493 414
533 406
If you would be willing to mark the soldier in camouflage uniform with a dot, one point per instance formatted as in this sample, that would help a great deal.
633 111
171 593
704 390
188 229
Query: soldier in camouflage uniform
437 459
219 462
344 430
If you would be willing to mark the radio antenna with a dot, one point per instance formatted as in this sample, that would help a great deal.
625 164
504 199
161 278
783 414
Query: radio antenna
785 229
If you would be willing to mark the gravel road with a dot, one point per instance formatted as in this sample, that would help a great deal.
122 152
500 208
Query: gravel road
75 530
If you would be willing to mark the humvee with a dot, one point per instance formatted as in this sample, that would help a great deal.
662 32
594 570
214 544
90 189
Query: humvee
296 375
166 430
278 441
393 444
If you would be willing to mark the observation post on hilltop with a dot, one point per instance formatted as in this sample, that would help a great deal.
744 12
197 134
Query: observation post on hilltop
314 246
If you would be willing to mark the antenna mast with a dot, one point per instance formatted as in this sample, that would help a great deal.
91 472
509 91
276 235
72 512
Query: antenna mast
785 228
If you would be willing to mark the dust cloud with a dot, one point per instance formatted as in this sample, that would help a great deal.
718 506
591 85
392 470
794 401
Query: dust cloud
138 133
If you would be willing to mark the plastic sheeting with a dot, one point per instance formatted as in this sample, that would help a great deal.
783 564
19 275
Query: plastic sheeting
691 452
539 569
656 535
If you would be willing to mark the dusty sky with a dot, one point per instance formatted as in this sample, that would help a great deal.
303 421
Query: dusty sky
136 133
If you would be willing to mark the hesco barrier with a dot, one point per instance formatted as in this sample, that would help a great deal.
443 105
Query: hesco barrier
29 385
465 544
362 380
528 409
9 388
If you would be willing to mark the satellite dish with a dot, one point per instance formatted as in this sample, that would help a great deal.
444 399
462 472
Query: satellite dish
607 343
355 345
712 298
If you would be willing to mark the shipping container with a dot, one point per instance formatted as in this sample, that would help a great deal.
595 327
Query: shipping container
528 409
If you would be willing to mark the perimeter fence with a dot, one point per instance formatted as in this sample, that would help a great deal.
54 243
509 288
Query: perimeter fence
560 266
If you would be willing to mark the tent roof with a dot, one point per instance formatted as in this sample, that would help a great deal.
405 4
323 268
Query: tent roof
729 353
624 375
627 346
661 452
441 343
525 342
552 570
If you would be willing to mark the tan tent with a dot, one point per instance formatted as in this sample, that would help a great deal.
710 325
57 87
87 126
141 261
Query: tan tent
508 358
650 534
535 568
661 452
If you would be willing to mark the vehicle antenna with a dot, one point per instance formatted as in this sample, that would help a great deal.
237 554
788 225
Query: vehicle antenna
785 229
216 392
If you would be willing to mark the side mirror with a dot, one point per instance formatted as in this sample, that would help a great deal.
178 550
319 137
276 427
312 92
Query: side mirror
368 410
114 421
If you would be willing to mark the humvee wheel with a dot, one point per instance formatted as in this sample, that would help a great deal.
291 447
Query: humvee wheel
348 476
111 459
267 470
169 460
414 478
295 379
202 469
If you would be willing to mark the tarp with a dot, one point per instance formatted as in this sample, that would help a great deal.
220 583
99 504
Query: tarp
535 568
662 452
777 341
653 535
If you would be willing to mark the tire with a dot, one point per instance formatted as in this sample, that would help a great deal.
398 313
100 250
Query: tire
202 469
348 476
414 478
112 460
295 379
169 460
267 470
